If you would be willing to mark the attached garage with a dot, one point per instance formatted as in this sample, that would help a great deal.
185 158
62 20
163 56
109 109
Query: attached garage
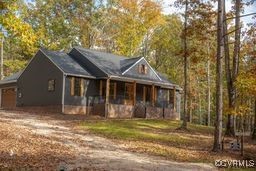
8 98
8 91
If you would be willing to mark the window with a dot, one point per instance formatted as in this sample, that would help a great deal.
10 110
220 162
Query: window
51 85
143 69
77 86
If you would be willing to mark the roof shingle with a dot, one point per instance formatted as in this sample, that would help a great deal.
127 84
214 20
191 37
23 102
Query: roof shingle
66 63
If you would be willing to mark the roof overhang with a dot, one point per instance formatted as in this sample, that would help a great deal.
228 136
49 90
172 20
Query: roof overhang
147 82
8 82
77 75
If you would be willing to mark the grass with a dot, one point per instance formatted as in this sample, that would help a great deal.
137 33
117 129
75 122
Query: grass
160 137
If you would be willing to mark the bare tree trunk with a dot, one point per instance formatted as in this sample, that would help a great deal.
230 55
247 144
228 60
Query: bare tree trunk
185 116
200 108
254 127
208 90
219 100
190 111
2 49
90 25
231 77
228 72
2 58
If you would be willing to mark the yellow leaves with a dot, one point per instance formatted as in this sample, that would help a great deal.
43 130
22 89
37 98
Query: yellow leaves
131 21
240 109
12 66
246 83
19 29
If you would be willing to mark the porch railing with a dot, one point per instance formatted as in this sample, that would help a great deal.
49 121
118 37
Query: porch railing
122 100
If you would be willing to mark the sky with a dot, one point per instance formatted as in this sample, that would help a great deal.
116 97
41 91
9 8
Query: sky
168 8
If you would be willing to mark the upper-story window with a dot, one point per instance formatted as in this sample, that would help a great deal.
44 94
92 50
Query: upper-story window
143 69
51 85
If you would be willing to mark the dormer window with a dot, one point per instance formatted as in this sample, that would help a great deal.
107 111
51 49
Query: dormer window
143 69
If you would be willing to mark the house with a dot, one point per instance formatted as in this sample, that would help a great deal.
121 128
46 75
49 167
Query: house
90 82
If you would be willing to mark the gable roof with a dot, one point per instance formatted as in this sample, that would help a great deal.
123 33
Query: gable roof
115 65
66 63
107 62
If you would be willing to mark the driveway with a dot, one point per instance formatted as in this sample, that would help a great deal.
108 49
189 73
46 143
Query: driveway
50 142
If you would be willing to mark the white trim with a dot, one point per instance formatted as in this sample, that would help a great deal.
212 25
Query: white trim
147 64
89 60
153 70
132 66
63 94
8 82
78 75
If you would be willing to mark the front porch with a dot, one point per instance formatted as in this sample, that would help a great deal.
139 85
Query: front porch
124 99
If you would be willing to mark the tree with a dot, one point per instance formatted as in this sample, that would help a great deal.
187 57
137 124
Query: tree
219 93
246 80
208 88
185 114
200 18
22 33
232 73
165 48
130 24
254 129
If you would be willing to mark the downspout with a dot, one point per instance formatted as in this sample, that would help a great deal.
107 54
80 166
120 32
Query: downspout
63 94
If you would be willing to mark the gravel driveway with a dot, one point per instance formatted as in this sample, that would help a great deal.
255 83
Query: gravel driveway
50 142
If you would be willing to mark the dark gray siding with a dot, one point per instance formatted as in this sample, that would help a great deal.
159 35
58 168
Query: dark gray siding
134 72
33 83
87 64
91 88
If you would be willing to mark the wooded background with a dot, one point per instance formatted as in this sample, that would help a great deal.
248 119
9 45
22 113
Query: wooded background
174 44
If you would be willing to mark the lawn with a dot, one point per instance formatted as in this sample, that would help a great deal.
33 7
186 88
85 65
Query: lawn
160 137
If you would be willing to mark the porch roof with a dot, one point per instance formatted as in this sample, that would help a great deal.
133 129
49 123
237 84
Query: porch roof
146 82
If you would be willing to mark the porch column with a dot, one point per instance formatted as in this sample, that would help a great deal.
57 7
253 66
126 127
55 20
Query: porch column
63 94
134 93
144 94
100 88
107 98
153 95
174 99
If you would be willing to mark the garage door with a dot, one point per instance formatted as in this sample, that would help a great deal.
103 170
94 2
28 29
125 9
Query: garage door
8 98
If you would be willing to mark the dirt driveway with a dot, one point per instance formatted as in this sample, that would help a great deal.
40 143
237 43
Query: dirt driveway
50 142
